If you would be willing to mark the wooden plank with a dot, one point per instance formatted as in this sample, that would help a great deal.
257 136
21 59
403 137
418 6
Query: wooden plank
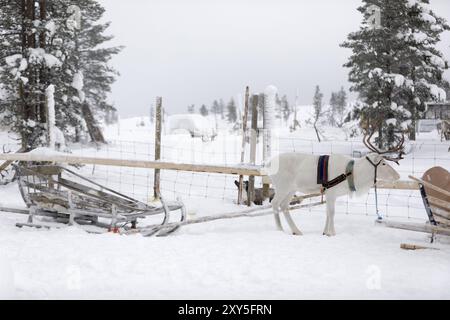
244 135
408 246
249 213
420 227
7 163
398 185
247 170
444 205
146 164
431 186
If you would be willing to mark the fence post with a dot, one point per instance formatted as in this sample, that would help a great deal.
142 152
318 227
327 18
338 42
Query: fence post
251 179
244 130
268 123
157 179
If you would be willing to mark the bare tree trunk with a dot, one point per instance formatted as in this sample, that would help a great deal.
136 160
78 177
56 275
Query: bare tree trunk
317 131
94 130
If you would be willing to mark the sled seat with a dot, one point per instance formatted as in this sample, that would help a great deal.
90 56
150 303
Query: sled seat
435 191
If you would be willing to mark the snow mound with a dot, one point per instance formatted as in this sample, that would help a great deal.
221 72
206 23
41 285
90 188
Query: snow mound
195 124
7 288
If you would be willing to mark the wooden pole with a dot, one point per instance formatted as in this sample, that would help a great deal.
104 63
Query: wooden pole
157 179
249 213
251 179
244 135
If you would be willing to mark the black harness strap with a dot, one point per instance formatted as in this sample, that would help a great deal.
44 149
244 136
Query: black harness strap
322 174
336 181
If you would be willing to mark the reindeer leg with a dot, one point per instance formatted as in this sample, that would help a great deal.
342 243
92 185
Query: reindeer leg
329 224
285 207
276 212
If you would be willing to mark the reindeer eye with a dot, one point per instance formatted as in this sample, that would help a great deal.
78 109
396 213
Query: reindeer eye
384 164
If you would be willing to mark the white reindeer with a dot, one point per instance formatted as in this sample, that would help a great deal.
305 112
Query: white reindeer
292 172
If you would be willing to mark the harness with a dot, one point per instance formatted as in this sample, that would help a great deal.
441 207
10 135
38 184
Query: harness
322 175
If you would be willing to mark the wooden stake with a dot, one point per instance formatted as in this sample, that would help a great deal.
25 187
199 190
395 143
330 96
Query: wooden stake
244 131
157 179
251 179
407 246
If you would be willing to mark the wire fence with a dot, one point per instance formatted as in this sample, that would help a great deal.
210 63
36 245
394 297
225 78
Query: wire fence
195 187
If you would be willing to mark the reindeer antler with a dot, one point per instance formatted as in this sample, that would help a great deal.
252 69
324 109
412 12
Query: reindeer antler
398 148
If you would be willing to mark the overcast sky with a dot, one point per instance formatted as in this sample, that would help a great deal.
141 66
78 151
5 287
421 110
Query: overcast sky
195 51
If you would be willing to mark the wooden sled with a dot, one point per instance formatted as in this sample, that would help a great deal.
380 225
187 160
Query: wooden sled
65 197
434 188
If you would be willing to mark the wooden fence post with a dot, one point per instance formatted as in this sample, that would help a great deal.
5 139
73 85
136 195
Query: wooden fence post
244 136
251 179
157 179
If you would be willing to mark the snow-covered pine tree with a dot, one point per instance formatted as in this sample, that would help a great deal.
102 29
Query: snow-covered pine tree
341 105
204 110
317 103
215 107
222 109
42 43
231 111
421 63
285 108
390 68
278 109
333 109
191 108
94 76
27 66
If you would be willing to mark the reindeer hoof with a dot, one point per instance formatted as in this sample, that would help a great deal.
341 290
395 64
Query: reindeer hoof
297 233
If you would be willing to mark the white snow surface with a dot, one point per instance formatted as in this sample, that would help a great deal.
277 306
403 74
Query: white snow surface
190 123
245 258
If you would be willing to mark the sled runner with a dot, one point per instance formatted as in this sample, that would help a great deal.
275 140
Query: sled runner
62 196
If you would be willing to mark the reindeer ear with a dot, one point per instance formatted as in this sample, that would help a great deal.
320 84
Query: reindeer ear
236 183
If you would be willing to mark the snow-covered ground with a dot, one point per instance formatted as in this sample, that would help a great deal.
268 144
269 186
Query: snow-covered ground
239 258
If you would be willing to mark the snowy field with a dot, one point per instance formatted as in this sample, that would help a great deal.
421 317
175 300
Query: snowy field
237 259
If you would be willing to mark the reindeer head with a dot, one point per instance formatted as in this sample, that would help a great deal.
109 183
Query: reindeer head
388 154
379 159
385 171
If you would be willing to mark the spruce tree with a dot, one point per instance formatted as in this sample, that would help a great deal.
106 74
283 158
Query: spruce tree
341 105
203 110
333 109
317 103
231 111
285 108
395 67
45 43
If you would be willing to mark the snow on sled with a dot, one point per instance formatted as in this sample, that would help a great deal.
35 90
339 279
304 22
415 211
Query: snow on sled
434 188
60 196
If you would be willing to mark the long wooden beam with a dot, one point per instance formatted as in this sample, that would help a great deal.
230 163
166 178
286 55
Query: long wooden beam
247 170
73 159
398 185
